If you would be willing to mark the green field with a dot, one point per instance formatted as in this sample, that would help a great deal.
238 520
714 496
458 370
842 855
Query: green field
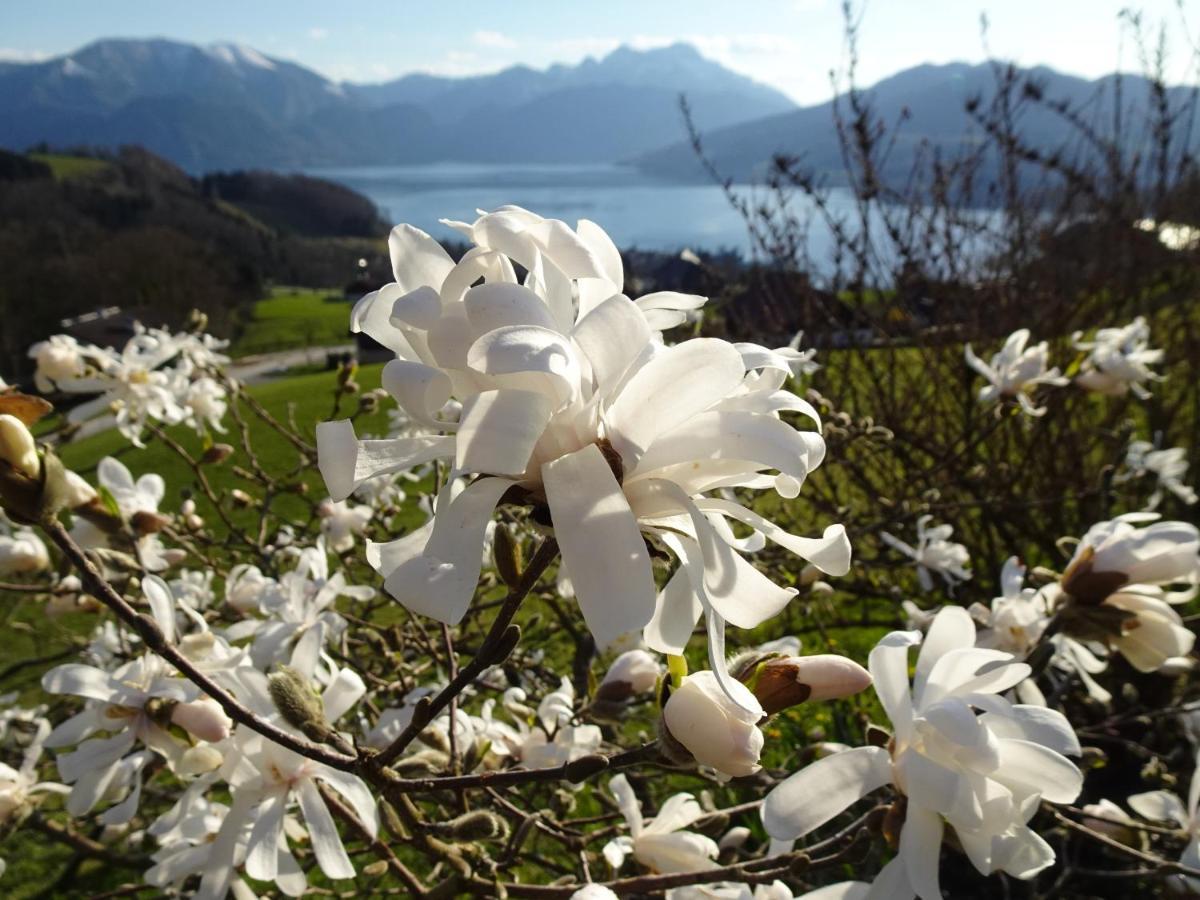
294 317
64 166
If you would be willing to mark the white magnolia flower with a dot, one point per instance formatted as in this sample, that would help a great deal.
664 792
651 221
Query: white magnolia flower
143 497
131 384
133 704
934 553
570 403
265 779
61 358
594 892
1169 467
661 844
1016 371
961 755
1016 619
1117 587
727 890
205 402
19 787
1164 806
340 522
718 730
302 600
1119 360
551 741
21 551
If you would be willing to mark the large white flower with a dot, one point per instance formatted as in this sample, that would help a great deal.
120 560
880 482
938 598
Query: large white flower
1016 619
1119 586
1119 360
934 553
1015 371
571 404
961 755
662 844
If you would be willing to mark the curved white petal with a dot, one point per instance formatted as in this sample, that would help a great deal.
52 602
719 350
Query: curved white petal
823 789
601 543
346 462
326 843
499 429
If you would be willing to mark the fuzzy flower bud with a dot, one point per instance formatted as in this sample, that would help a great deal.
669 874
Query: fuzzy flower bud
715 730
784 682
297 702
479 825
203 718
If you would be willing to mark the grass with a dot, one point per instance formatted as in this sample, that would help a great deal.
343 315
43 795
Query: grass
65 167
294 317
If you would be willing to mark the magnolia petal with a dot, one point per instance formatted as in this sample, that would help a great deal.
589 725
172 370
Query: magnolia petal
356 793
346 462
80 680
420 390
823 789
342 693
1159 806
971 670
499 305
1028 768
417 259
611 336
601 543
162 605
670 389
888 664
830 553
372 316
676 612
440 579
764 441
327 845
952 629
499 430
528 358
920 848
262 851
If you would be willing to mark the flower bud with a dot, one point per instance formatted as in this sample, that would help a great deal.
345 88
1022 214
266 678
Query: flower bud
77 492
633 672
297 702
594 892
715 730
144 522
198 760
785 682
240 497
17 447
734 838
479 825
216 454
203 718
506 556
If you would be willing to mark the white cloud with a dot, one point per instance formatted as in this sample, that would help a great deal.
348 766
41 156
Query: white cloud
493 40
10 54
318 34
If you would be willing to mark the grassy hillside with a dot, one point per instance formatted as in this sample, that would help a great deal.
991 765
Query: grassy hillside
294 317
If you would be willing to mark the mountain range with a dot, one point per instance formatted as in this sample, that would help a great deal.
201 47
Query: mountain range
228 106
932 101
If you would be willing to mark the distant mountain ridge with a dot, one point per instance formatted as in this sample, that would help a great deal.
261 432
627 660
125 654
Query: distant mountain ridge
933 100
229 106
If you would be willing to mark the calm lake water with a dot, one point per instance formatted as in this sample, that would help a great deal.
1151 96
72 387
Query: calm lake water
636 209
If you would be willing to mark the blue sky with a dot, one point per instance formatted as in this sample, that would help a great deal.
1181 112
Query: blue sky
791 44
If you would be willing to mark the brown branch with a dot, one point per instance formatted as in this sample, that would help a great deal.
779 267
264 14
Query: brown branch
428 711
156 641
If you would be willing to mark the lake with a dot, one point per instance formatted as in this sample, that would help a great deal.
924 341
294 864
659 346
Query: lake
637 210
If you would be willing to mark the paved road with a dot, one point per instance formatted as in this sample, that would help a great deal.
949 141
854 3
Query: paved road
265 366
